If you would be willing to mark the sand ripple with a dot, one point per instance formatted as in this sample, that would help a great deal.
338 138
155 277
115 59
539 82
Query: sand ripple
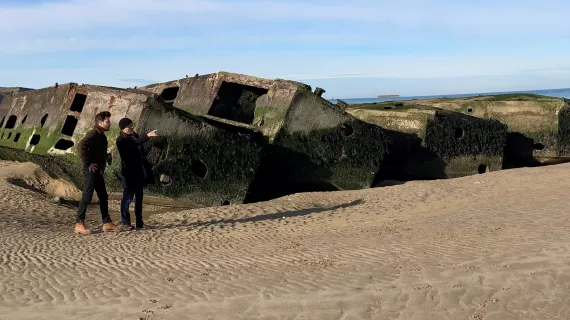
494 246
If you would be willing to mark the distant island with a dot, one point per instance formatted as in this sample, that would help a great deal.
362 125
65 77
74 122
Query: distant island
387 95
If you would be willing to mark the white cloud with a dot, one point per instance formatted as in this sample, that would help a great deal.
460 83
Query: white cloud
311 66
212 35
134 42
480 17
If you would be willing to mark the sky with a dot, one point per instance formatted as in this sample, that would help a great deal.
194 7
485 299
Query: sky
352 49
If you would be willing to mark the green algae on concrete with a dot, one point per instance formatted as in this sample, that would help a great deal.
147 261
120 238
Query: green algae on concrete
313 145
430 143
205 160
319 147
467 144
536 117
333 139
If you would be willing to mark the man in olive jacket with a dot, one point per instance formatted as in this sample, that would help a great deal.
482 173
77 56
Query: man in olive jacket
135 170
93 152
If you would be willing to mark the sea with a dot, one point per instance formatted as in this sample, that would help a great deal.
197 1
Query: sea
558 93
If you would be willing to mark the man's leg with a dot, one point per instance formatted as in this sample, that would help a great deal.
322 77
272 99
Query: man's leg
103 202
86 197
128 195
138 207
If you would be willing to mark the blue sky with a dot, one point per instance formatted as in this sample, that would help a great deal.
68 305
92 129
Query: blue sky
351 49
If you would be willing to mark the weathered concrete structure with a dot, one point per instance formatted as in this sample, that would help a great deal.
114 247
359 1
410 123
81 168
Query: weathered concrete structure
230 138
427 143
535 121
5 91
48 123
235 97
314 144
8 90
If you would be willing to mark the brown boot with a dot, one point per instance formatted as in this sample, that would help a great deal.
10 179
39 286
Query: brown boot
109 227
80 228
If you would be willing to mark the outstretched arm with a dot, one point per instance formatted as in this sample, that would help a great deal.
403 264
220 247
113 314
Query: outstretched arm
144 137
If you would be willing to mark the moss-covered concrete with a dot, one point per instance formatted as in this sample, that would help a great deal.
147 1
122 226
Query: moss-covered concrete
207 161
429 143
318 147
312 144
269 120
537 117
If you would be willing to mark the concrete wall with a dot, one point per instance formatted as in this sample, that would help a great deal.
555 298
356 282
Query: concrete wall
187 143
46 104
426 143
322 146
52 105
536 117
6 91
204 161
197 95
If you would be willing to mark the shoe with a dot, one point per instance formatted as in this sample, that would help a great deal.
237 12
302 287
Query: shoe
80 228
140 225
128 226
109 227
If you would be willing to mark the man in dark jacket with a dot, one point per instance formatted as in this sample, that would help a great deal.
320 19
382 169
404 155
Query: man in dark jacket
93 152
136 171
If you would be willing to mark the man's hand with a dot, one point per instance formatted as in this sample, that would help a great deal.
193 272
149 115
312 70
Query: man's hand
152 133
93 167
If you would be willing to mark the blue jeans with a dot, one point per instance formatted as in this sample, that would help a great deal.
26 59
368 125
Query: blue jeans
128 195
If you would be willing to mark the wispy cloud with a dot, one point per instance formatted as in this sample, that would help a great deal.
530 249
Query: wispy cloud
483 16
113 41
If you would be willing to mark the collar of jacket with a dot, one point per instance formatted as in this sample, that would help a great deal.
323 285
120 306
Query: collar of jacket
99 129
128 135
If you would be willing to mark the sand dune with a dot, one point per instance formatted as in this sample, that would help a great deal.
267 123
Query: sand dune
493 246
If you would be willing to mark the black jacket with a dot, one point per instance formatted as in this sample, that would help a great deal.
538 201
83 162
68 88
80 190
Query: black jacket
93 148
133 161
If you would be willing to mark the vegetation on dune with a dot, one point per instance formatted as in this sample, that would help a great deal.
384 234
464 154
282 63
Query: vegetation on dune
388 105
403 105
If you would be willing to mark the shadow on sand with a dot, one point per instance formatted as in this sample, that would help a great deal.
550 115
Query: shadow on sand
263 217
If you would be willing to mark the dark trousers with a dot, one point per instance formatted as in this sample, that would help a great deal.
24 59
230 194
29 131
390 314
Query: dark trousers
93 181
128 195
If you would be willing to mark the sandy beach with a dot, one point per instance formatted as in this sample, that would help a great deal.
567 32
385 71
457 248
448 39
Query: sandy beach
491 246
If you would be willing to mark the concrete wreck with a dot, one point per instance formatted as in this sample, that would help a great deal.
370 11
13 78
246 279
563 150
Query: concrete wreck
540 119
224 138
538 126
197 159
431 143
313 145
228 138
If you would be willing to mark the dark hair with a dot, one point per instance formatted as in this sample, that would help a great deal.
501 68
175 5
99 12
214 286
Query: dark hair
101 116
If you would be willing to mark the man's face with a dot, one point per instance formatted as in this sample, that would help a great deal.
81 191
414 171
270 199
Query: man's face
105 124
129 129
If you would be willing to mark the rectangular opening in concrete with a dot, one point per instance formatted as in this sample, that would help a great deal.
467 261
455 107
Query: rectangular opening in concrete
169 95
69 125
236 102
17 137
78 102
35 140
63 144
11 123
